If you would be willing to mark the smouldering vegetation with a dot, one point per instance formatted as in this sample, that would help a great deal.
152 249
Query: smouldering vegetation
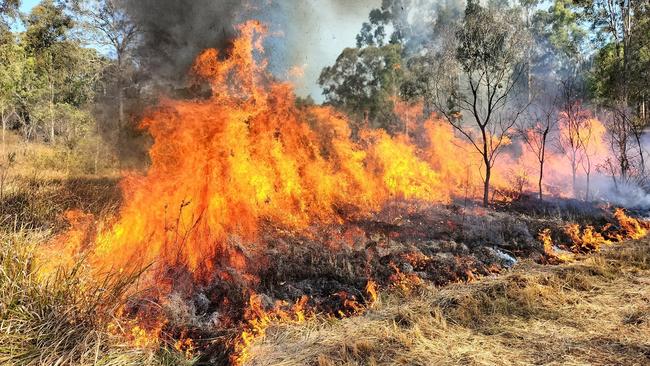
593 311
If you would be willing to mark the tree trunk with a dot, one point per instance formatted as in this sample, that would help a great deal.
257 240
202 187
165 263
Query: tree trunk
51 113
573 177
627 30
541 176
542 159
120 105
486 185
120 102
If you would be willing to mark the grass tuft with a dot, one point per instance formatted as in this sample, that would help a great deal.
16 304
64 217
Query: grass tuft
61 319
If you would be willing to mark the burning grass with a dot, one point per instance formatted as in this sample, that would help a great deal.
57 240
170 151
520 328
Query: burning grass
587 312
73 316
62 319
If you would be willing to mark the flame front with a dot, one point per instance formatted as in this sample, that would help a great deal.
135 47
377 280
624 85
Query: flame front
246 154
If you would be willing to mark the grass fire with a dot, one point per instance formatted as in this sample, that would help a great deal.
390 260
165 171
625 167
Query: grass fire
192 183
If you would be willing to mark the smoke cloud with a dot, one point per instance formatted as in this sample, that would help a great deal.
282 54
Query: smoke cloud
305 35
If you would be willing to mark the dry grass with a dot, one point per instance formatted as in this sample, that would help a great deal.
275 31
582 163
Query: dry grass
61 319
36 187
57 161
594 311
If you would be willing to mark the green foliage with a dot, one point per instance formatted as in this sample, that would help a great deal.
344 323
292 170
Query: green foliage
484 43
21 85
619 74
363 82
48 81
560 24
8 13
603 79
373 32
46 25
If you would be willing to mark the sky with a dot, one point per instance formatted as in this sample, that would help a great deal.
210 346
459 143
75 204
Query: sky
27 5
324 32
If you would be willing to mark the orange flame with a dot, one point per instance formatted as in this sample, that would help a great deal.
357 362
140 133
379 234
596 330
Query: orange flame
258 320
589 240
371 292
631 228
246 154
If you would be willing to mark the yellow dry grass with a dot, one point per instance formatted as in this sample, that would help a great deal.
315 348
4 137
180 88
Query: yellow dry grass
38 160
595 311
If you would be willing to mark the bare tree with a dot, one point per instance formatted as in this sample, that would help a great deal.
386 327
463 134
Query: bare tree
637 128
480 81
627 162
574 129
587 135
541 122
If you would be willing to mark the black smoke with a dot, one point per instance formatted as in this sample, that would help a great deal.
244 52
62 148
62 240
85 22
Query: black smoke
173 32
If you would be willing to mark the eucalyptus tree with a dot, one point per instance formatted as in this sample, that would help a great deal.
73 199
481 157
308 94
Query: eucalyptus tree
107 25
476 87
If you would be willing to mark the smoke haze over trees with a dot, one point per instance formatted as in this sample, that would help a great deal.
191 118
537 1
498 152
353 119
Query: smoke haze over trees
79 73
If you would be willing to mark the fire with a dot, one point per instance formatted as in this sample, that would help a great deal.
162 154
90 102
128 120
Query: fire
371 291
185 346
246 154
552 256
141 333
259 319
588 240
590 150
64 250
547 242
631 228
404 282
